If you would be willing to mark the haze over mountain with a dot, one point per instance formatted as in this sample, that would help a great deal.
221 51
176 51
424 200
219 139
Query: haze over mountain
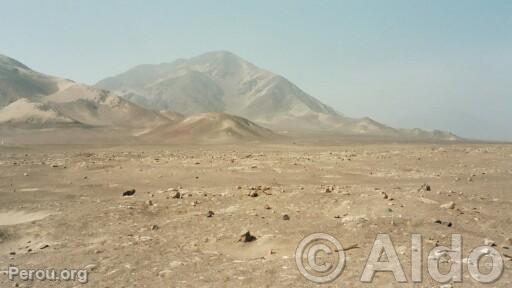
32 100
221 81
215 82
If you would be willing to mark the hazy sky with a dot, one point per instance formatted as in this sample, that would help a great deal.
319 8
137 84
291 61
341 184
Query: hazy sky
429 64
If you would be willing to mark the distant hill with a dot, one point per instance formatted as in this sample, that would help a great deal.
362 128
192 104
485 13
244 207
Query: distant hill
211 128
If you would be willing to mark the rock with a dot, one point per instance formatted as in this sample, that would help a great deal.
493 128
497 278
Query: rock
210 214
448 224
91 267
129 193
44 246
354 219
12 253
267 207
25 174
253 193
165 273
149 203
424 187
489 242
155 227
246 237
176 195
449 205
286 217
384 195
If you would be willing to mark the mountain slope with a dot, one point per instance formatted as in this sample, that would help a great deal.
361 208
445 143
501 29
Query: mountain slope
33 99
223 82
24 112
211 128
96 107
215 82
17 81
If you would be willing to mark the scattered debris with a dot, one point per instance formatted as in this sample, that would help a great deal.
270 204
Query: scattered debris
448 224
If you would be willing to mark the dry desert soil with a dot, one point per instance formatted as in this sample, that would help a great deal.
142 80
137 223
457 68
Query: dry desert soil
61 206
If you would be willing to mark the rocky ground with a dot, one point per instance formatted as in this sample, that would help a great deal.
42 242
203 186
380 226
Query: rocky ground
185 224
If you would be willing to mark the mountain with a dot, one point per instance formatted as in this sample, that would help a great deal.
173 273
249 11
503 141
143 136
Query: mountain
211 128
29 98
38 108
215 82
223 82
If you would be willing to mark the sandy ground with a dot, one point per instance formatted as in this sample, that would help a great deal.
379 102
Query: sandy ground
61 207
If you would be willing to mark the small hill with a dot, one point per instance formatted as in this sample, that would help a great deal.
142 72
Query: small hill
211 128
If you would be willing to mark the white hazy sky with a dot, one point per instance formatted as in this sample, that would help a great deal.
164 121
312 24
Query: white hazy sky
406 63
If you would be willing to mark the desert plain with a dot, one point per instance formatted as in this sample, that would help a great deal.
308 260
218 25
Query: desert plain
62 206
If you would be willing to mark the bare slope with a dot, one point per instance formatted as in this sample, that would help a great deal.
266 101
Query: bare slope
215 82
211 128
17 81
30 98
223 82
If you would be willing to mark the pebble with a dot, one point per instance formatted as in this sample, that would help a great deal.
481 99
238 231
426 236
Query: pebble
424 187
489 242
449 205
91 267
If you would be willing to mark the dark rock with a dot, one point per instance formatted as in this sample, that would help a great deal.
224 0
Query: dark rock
129 193
246 237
